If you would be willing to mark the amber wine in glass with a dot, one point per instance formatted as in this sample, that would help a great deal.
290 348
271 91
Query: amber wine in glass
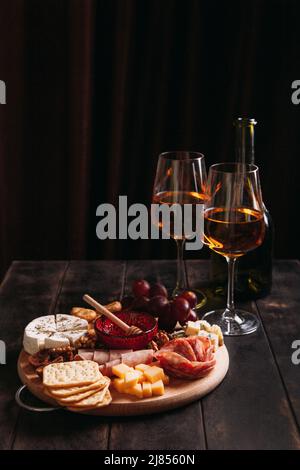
180 179
234 224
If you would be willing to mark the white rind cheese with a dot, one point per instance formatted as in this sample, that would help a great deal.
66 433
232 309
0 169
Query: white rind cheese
56 341
69 322
73 336
53 332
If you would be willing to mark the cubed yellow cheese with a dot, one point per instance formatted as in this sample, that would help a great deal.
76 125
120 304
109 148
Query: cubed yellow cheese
142 377
166 379
131 378
153 374
147 389
158 388
118 385
141 367
135 390
120 370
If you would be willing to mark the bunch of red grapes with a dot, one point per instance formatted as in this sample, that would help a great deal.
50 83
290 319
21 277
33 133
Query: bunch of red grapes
154 300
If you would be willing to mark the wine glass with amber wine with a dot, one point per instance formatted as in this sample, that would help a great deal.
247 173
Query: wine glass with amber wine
233 225
180 180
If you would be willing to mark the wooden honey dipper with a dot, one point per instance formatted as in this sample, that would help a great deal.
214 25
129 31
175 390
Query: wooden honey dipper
129 330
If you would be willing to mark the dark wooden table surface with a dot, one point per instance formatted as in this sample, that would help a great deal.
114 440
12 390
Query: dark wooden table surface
256 407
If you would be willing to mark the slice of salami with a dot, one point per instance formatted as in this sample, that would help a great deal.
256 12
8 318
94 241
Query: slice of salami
200 347
178 366
144 356
182 347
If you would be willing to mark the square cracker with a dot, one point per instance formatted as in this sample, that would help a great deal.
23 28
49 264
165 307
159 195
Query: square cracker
105 402
92 401
67 392
71 374
74 399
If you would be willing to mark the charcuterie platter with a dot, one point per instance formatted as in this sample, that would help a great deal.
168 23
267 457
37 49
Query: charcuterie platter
178 393
81 361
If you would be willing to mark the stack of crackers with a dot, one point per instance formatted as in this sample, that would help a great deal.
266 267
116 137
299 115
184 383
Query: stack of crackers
77 385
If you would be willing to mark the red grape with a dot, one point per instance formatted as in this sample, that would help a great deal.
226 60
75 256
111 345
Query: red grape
158 289
157 305
140 288
190 297
166 319
140 303
192 315
180 309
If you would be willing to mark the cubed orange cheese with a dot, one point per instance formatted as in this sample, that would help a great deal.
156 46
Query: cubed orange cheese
158 388
141 367
153 374
147 389
118 385
135 390
131 378
120 370
142 377
166 379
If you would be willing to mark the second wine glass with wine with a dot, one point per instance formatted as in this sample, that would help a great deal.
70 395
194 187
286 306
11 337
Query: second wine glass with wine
180 180
234 224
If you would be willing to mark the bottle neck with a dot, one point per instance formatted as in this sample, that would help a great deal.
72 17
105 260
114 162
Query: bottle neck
244 146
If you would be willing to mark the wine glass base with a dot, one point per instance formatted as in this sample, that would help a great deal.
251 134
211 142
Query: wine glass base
243 323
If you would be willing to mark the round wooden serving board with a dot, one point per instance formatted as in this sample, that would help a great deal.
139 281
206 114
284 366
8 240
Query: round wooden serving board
177 393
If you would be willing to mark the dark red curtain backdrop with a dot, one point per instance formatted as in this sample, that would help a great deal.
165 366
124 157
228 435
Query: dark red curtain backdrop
97 89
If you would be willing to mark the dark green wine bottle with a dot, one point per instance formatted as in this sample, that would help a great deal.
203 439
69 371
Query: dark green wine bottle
253 270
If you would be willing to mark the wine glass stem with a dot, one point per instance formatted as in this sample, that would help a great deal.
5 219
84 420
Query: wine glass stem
180 281
229 313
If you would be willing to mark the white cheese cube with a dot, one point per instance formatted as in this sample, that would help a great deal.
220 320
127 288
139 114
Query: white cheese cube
192 328
213 338
203 325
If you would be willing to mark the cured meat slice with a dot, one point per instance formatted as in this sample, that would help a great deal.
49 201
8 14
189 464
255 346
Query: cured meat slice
178 366
173 357
86 354
182 347
144 356
101 356
201 346
117 353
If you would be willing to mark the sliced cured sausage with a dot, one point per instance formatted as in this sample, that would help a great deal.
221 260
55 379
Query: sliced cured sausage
174 357
182 347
